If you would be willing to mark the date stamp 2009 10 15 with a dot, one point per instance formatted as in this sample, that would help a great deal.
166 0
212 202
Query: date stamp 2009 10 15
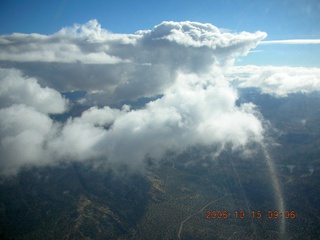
254 214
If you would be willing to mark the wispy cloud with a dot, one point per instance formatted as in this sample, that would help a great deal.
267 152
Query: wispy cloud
291 41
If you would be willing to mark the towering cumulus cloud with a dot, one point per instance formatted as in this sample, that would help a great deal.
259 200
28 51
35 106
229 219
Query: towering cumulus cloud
183 62
115 67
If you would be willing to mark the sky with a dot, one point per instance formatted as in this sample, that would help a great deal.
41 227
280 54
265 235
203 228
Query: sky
182 57
282 20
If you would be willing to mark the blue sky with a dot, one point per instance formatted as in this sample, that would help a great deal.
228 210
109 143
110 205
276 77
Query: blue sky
281 19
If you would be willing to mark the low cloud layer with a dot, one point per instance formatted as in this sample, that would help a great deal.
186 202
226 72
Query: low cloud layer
276 81
191 112
183 62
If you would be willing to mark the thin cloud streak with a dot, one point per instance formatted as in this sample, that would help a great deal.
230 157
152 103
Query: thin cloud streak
291 41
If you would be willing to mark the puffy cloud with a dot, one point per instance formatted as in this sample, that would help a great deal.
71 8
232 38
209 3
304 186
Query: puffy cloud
183 62
188 114
101 117
185 116
87 44
15 88
191 112
277 81
23 132
122 66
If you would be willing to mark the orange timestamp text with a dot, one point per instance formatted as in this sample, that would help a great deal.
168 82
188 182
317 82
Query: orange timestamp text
254 214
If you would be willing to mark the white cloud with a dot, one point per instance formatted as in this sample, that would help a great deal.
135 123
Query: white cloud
101 117
87 44
184 62
15 88
122 66
191 112
24 132
186 115
277 81
291 41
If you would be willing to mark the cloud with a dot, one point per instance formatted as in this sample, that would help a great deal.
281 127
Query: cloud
188 114
23 131
185 116
87 44
291 41
182 63
122 66
276 81
15 88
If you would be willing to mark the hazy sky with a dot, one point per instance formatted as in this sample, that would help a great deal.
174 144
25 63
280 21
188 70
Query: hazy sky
179 55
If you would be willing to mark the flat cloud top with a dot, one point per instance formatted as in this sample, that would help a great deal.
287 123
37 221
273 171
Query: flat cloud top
89 43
